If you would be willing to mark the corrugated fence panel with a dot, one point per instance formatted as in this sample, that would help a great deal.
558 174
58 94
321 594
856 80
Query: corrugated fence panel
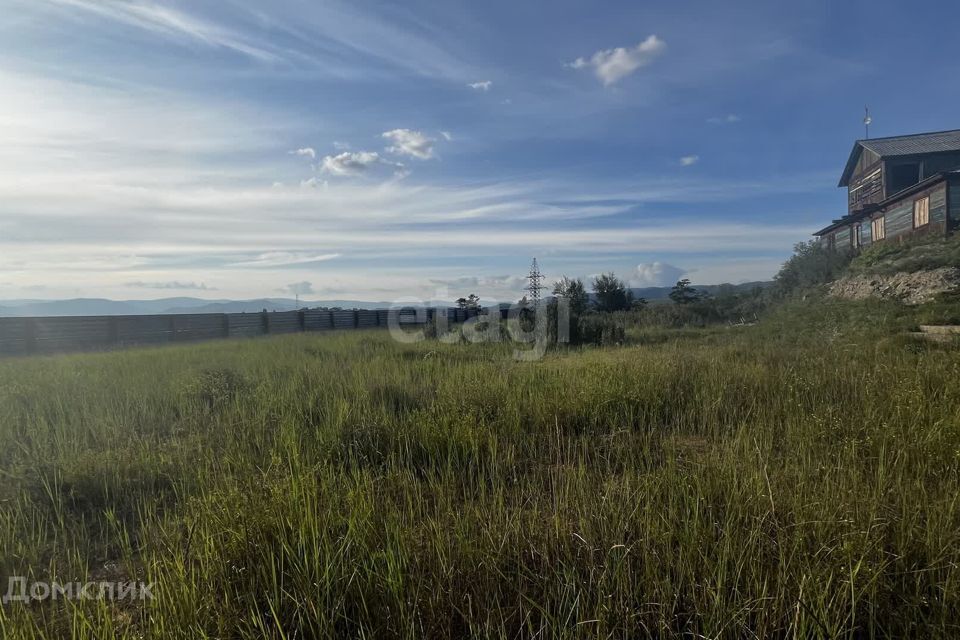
59 334
198 327
143 329
14 335
285 322
344 319
317 319
245 325
33 335
410 316
366 319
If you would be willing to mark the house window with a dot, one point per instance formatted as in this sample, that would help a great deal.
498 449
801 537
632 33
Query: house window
878 232
921 212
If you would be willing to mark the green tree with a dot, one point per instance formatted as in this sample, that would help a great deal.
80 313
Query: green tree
811 264
611 293
574 292
470 302
683 293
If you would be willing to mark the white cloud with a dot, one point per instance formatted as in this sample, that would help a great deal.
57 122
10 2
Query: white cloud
730 118
481 86
353 163
410 143
447 135
341 146
612 65
688 161
655 274
298 288
305 152
106 185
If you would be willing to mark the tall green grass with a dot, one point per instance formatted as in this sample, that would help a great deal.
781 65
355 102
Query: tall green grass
798 478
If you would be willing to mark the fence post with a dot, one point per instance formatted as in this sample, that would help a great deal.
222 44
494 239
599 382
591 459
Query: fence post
302 319
266 321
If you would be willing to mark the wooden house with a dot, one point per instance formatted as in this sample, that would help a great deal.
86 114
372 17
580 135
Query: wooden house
897 187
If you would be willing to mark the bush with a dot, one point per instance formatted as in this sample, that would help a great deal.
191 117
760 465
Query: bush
810 265
601 329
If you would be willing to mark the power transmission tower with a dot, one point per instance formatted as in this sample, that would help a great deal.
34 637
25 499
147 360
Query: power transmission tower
536 284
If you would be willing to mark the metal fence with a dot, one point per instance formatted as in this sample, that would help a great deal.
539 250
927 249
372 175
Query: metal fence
24 336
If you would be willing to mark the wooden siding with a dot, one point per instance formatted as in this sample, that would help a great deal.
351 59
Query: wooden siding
867 159
21 336
842 238
899 216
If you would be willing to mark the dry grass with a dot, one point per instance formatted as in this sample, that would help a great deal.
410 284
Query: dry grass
794 479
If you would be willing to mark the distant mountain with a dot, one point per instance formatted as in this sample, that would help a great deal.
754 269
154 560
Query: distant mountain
663 293
166 306
182 305
77 307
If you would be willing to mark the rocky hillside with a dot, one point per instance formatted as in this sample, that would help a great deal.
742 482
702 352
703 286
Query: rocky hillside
912 272
910 288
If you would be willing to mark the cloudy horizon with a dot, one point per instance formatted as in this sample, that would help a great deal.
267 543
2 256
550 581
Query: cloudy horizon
163 148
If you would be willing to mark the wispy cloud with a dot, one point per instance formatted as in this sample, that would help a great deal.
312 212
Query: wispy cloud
689 161
612 65
730 118
298 288
170 23
173 284
481 86
284 259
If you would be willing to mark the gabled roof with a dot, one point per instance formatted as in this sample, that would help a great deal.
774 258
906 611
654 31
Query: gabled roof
935 142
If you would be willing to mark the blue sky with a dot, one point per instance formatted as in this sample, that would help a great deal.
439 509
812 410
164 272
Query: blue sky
383 149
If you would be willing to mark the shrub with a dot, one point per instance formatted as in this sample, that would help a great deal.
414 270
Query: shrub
601 329
810 265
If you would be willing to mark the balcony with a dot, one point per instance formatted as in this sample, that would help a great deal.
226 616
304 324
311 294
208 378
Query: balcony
866 189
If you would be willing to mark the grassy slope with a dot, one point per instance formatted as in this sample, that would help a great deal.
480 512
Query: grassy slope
796 477
917 253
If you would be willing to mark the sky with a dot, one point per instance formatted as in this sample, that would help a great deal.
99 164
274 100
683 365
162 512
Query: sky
379 150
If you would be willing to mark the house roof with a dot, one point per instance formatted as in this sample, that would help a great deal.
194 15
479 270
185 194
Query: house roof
840 222
934 142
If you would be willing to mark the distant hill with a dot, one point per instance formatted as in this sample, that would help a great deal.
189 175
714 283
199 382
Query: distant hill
165 306
183 305
663 293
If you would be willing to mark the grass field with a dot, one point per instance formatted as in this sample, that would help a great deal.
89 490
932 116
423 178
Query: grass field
798 478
